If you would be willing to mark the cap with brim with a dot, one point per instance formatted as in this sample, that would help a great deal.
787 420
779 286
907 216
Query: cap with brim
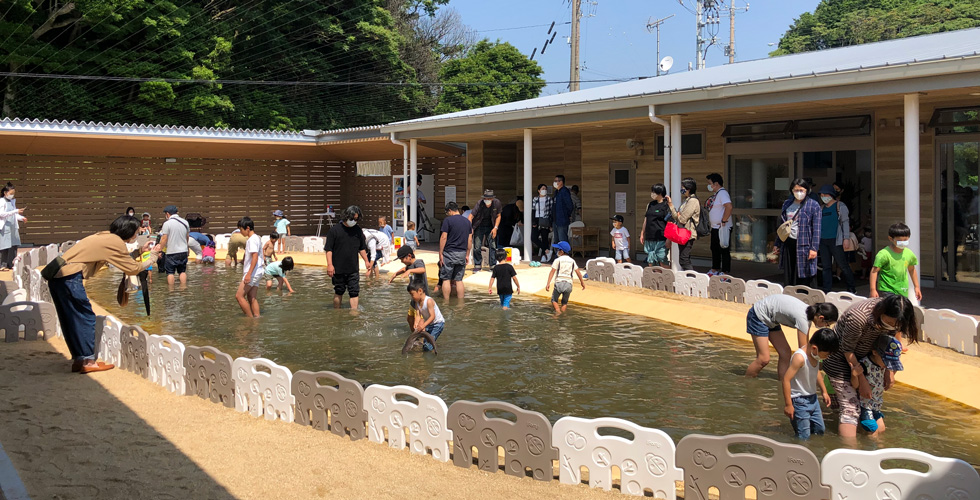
170 209
617 218
563 246
488 193
405 251
828 189
277 213
146 214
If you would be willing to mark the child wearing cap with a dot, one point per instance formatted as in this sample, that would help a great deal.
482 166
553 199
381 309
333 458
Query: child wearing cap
561 272
620 240
282 227
414 268
883 362
145 223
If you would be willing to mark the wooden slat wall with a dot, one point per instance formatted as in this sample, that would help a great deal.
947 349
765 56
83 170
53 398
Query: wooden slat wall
67 197
550 158
499 162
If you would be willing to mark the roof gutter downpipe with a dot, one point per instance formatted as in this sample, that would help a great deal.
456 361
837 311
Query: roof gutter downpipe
405 183
668 140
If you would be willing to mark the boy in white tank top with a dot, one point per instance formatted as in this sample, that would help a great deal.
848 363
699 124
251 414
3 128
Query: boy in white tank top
801 381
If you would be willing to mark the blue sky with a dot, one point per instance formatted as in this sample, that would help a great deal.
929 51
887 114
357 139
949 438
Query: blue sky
615 42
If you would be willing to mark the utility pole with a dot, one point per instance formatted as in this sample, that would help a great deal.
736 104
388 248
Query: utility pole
655 24
730 50
574 76
707 16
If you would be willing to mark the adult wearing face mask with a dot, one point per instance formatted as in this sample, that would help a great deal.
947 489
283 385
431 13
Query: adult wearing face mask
654 223
564 208
130 211
687 216
798 253
542 207
10 219
485 219
67 287
345 242
719 207
511 215
835 227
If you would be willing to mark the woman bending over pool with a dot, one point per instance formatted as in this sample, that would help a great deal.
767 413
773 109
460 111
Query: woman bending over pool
764 323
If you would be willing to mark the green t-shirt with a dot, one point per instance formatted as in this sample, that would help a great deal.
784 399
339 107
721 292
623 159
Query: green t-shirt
893 270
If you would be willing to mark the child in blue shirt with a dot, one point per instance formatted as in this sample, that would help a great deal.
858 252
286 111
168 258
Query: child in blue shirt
411 237
282 227
278 270
385 228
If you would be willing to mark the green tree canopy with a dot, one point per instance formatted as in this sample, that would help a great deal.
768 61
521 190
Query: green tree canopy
500 65
839 23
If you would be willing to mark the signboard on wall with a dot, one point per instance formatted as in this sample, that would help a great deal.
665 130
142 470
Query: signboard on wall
378 168
620 202
450 194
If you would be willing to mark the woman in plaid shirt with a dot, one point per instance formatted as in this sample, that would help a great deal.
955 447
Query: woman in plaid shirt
798 254
542 211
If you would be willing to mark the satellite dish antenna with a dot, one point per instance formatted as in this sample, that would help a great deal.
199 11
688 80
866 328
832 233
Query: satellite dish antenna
666 63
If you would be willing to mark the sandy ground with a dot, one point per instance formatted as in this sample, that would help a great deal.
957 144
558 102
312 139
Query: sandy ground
116 435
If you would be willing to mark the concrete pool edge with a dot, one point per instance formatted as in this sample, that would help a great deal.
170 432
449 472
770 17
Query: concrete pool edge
923 371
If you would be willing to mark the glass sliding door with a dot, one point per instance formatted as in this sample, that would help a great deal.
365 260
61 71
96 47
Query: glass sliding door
758 185
958 211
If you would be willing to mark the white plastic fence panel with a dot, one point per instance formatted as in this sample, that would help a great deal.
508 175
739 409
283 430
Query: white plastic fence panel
51 253
756 290
107 329
426 421
844 300
691 283
263 388
645 463
312 244
702 281
948 328
858 475
18 295
34 286
628 275
221 241
166 356
601 269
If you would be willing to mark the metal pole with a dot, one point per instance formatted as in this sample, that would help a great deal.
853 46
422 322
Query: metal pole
657 62
675 179
574 77
413 162
912 174
731 34
528 250
699 15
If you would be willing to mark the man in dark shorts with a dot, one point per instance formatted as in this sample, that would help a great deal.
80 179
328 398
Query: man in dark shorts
345 242
455 244
173 237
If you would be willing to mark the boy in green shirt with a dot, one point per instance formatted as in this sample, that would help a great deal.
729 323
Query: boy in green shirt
888 275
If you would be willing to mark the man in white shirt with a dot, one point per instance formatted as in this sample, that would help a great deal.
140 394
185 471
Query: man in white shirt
173 237
719 207
254 270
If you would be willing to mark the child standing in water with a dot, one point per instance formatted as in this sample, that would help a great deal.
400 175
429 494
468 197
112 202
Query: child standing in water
503 273
801 380
208 251
282 229
248 287
278 271
424 315
269 249
415 268
563 267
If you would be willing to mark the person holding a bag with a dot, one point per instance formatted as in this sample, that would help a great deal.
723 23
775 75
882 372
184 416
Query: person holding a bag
835 233
542 208
65 276
798 236
511 223
719 207
687 218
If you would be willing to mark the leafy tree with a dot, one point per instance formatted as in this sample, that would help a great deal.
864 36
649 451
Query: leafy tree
508 74
839 23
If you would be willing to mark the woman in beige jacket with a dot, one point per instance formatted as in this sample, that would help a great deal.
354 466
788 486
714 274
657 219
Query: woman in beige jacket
687 217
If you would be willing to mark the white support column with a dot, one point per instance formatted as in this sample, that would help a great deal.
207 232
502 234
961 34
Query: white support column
528 150
675 180
413 162
912 210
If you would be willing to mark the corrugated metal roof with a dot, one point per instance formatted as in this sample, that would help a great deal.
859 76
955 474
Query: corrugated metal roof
64 126
906 51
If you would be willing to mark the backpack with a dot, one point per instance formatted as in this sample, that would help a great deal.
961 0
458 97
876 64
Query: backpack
704 223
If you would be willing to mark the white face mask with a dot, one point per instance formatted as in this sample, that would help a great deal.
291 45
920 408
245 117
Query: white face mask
487 202
711 188
543 192
799 196
556 185
825 199
350 223
9 196
902 244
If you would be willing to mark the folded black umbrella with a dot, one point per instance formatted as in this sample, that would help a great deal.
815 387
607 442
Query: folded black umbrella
146 289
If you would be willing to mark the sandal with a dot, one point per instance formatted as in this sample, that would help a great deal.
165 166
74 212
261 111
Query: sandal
98 367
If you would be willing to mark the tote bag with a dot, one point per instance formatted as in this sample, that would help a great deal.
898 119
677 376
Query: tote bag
677 234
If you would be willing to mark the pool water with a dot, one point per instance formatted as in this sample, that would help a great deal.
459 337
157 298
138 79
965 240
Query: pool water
588 363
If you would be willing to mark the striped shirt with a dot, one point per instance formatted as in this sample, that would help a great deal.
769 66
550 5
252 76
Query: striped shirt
858 333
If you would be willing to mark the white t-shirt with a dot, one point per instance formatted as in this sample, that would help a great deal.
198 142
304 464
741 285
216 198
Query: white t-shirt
619 237
423 309
564 267
717 212
804 383
253 245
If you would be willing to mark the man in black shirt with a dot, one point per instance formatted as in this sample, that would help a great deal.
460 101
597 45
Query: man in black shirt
345 242
485 219
455 244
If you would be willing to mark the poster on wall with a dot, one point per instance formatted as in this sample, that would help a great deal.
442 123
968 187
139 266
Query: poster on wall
620 202
450 194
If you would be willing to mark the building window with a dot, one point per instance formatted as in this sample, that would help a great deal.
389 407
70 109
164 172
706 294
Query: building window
956 120
692 145
848 126
381 168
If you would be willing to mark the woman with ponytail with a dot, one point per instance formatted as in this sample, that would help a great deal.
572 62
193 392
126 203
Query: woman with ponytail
10 219
765 322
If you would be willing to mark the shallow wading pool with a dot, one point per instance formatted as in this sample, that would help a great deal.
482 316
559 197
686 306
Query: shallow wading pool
589 363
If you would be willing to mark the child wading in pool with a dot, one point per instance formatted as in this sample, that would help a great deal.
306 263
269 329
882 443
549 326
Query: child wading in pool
252 278
208 251
414 268
503 273
801 381
278 271
424 319
269 249
879 368
561 272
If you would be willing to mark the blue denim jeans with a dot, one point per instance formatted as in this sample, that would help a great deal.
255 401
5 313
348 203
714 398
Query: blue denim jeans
435 329
75 314
807 417
560 233
481 234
